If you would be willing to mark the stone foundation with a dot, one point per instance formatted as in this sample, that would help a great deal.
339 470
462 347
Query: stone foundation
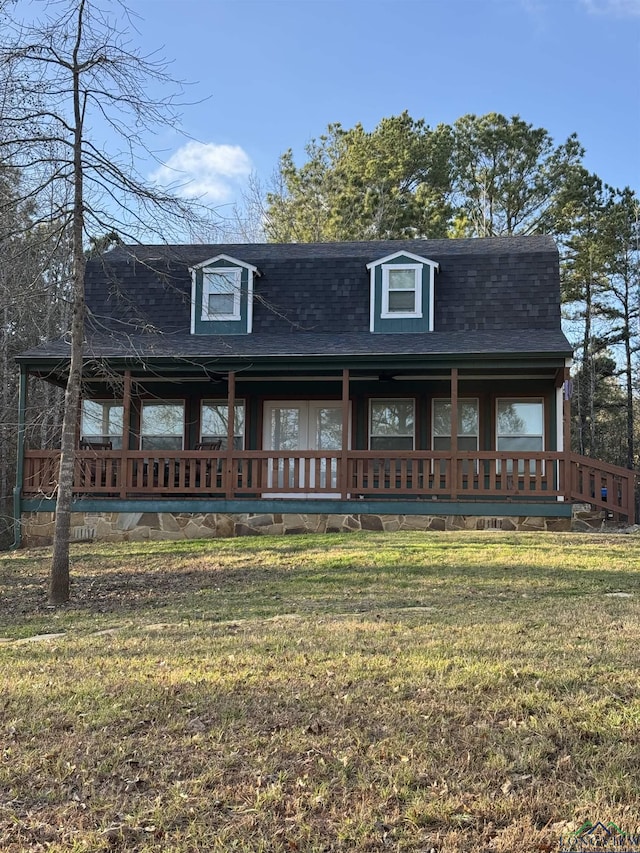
37 527
587 520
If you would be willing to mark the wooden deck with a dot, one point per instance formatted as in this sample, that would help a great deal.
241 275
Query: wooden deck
351 475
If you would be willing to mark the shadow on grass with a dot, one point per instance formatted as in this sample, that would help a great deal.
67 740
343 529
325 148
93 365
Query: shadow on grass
244 579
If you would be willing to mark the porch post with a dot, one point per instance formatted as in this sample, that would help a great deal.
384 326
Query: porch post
631 498
344 461
231 415
17 491
454 432
126 434
566 473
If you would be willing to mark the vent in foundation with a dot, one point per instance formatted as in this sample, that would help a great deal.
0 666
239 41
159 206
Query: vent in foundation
493 524
83 534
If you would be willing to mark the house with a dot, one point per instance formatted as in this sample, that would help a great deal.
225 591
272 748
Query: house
405 384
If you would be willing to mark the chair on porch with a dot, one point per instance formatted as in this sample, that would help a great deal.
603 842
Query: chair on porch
210 475
89 444
209 445
92 474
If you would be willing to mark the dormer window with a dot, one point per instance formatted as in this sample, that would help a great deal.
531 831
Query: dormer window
221 294
401 290
402 293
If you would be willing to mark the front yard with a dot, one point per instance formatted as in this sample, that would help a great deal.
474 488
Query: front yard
403 692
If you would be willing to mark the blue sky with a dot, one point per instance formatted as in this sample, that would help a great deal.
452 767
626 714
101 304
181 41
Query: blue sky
268 75
276 72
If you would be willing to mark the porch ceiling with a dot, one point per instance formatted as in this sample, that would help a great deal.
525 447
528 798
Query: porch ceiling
305 371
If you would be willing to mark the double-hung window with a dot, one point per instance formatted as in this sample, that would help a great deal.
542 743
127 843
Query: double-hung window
520 428
401 290
392 425
102 422
221 294
214 424
467 432
162 426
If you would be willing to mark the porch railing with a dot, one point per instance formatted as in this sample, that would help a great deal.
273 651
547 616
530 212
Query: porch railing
606 487
430 475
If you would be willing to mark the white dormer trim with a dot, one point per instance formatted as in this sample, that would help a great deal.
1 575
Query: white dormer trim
227 259
253 271
418 258
387 263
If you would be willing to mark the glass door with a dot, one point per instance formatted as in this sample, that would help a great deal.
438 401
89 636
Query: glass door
302 425
325 433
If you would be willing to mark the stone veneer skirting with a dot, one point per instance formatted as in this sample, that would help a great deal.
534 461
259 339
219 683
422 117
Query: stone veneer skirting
37 527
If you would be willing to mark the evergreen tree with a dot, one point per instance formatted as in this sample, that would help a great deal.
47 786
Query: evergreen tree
389 183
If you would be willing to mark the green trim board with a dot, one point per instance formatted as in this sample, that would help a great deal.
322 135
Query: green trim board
196 367
555 509
17 491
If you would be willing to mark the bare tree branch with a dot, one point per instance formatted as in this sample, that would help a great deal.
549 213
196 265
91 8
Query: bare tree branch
76 66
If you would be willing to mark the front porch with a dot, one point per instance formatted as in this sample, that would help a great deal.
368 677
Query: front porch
408 448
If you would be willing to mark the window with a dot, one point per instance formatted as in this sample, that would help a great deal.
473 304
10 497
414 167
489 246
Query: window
401 293
402 290
214 423
162 426
221 294
392 424
520 428
467 424
102 422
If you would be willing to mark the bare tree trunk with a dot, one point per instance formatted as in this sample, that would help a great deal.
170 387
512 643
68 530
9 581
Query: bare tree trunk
59 576
588 373
5 409
55 73
628 373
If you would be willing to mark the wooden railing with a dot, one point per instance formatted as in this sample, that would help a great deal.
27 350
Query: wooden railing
471 475
606 487
357 474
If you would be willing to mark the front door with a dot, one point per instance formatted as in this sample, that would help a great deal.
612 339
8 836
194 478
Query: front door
303 425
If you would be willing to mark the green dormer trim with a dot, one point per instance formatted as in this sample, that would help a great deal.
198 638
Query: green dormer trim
402 293
222 296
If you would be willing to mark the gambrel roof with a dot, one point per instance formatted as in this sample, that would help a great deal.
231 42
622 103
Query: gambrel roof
496 295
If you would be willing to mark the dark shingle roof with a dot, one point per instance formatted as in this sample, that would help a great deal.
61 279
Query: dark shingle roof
491 295
323 344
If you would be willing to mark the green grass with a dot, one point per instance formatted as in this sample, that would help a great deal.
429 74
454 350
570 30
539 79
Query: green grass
404 692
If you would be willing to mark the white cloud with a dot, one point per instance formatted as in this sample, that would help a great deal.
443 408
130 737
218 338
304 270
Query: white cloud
614 8
205 170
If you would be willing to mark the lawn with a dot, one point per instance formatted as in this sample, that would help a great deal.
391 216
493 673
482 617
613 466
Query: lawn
369 692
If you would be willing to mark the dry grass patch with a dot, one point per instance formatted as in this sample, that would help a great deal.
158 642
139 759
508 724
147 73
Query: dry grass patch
464 692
